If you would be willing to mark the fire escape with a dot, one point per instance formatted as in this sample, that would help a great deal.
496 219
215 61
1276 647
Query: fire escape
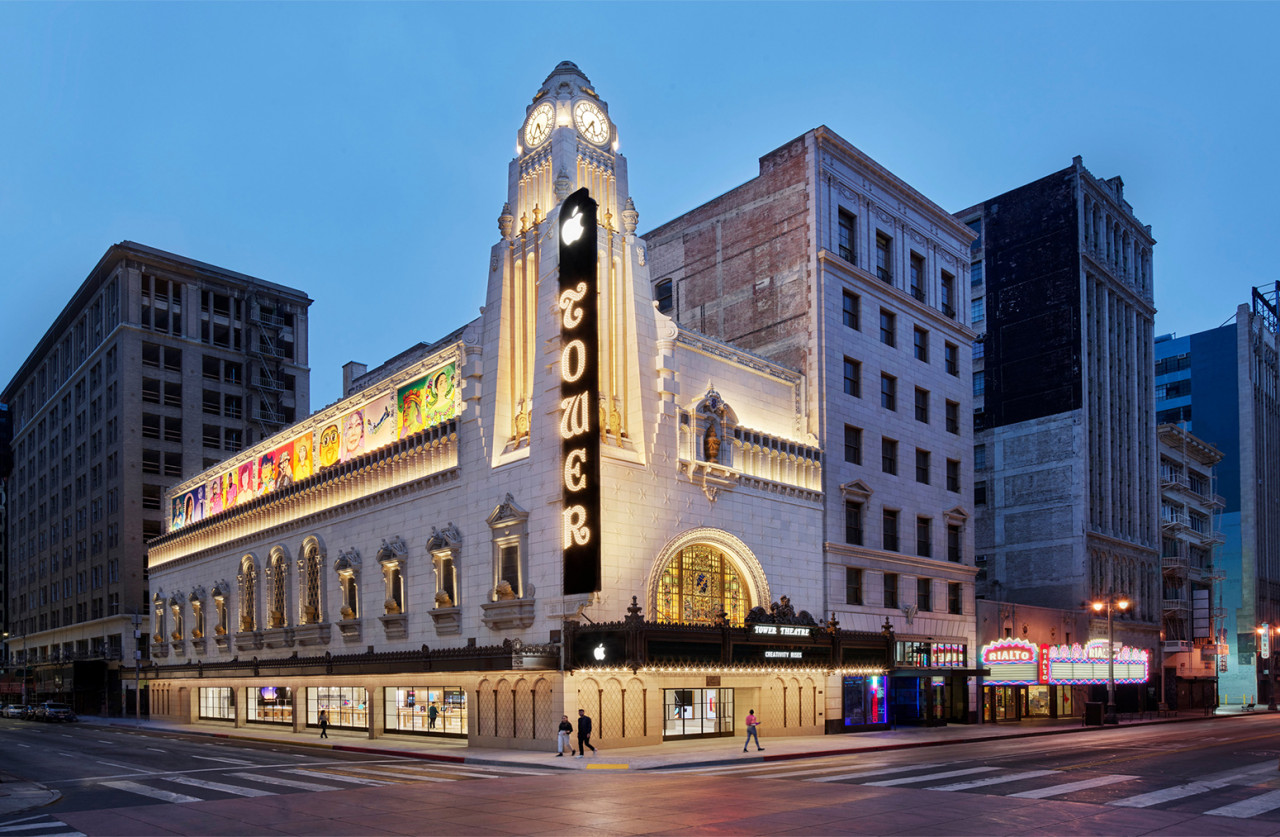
1188 537
267 376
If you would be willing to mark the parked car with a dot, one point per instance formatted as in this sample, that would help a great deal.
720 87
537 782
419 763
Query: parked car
17 710
50 711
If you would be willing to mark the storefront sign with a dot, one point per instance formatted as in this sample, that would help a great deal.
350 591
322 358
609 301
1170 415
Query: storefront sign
579 394
1018 662
1011 661
782 630
783 655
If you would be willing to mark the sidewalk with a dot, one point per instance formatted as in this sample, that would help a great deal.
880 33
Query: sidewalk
17 795
672 754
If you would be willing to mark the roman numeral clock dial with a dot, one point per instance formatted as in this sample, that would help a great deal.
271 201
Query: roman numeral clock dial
538 127
591 122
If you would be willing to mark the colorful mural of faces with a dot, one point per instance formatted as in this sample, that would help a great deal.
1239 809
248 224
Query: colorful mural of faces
416 406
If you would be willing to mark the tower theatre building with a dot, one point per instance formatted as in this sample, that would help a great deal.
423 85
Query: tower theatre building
569 502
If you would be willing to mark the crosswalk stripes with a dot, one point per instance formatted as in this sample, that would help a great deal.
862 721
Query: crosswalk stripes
993 780
282 782
154 793
1204 785
1072 787
929 777
40 825
1248 807
220 787
339 777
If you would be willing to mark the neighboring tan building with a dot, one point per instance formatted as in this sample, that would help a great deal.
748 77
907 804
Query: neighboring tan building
1064 428
569 502
1222 385
1189 532
158 367
829 264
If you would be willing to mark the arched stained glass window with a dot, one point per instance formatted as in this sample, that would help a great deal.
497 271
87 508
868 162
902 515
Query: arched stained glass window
698 583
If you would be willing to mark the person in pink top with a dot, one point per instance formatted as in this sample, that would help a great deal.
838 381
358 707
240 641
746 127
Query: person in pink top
752 723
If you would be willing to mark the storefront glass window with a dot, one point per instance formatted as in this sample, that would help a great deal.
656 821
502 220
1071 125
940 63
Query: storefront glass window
269 705
345 706
864 701
1038 701
697 585
697 713
217 704
410 710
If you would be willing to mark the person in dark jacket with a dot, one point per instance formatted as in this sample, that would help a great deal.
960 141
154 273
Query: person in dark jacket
324 724
563 734
584 733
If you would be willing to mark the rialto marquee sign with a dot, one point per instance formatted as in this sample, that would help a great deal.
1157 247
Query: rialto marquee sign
1015 662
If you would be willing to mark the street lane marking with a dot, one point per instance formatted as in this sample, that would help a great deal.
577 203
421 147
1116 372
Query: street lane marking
883 771
1209 783
154 793
68 755
1248 807
101 741
124 766
28 746
888 783
773 771
11 828
415 776
218 786
996 780
338 777
154 750
225 761
286 783
602 767
1071 787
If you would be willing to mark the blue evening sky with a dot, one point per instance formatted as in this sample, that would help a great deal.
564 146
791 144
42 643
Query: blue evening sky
359 151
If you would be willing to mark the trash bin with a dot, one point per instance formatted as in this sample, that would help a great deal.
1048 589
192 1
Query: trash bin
1093 714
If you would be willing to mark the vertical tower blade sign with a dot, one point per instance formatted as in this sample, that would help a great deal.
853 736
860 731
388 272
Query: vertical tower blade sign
580 394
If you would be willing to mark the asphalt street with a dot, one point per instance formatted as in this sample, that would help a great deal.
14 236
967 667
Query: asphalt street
1187 778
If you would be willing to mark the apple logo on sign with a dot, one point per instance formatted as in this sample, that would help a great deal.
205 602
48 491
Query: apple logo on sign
572 229
599 652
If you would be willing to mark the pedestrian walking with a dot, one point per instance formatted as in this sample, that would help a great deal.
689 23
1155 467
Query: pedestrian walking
324 723
562 737
752 732
432 714
584 733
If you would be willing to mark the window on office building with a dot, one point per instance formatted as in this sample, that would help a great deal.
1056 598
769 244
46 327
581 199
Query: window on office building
922 466
890 530
922 405
852 310
852 586
853 522
955 604
846 236
888 455
852 377
888 392
920 343
953 543
890 590
853 444
888 326
884 257
924 594
953 417
951 358
917 276
924 537
953 475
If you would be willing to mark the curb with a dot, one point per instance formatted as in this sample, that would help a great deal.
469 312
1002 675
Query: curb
912 745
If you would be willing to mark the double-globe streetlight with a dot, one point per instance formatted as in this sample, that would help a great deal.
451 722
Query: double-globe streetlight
1111 604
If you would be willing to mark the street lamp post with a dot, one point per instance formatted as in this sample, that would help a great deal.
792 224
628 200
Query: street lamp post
1266 650
1111 604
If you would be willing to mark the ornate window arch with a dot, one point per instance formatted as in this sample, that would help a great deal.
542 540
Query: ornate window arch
175 607
391 557
157 628
196 600
701 573
311 582
277 588
348 569
219 594
510 525
444 549
248 579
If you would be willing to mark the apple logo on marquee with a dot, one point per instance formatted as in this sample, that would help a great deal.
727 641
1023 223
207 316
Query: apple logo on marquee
599 652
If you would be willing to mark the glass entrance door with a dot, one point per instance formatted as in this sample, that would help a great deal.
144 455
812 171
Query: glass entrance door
697 713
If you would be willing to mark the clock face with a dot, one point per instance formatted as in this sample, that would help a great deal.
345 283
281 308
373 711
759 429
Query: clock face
538 128
591 122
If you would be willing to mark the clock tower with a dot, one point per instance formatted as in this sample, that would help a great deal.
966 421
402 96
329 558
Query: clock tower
565 142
